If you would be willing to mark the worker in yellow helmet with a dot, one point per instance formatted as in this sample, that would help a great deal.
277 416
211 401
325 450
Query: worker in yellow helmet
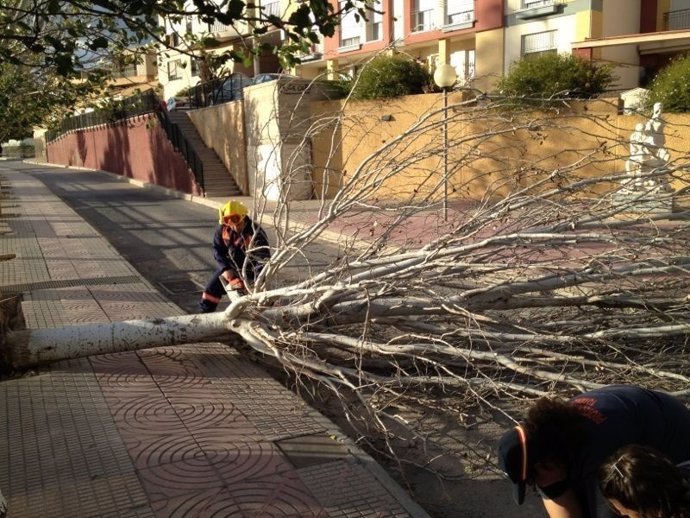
240 247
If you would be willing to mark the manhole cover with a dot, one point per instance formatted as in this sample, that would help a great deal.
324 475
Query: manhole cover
309 450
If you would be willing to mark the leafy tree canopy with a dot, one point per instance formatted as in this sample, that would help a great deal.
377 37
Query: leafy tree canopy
66 48
29 98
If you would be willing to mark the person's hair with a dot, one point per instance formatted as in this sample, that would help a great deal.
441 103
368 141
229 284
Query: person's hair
643 480
555 428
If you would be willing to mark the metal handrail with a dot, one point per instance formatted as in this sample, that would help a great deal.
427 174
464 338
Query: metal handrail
181 144
138 104
218 91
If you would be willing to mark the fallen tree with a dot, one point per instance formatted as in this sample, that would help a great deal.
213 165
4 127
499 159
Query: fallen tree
549 274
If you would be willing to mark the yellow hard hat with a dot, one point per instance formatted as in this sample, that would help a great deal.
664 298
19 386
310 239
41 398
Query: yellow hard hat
230 208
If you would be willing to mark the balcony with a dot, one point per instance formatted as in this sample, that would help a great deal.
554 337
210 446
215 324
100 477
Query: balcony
423 20
538 8
314 53
221 30
460 20
677 20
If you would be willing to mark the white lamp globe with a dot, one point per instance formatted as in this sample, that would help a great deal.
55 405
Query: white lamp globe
445 76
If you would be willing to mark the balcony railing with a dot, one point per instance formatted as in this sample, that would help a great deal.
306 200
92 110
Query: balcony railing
532 4
123 72
539 8
423 20
460 18
271 8
219 28
676 20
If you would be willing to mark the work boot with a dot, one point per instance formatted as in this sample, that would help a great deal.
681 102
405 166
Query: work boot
206 306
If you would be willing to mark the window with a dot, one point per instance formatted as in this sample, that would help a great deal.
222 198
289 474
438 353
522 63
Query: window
175 39
194 69
188 25
423 15
539 43
463 62
350 30
374 26
174 70
459 11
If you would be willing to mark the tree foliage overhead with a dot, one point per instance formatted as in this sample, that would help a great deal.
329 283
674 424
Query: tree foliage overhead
42 41
67 34
560 75
671 86
31 97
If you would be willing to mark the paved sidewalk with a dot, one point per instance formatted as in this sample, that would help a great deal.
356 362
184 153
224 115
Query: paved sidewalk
188 431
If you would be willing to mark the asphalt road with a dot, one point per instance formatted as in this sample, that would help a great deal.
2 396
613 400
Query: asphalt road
167 240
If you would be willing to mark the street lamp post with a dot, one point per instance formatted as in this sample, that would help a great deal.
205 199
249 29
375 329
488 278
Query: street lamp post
445 77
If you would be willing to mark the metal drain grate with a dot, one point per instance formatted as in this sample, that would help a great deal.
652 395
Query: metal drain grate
70 283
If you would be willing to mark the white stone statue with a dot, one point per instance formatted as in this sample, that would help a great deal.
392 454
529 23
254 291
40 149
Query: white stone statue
647 151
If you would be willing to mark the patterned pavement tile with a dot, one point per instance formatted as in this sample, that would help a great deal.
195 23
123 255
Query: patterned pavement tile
149 451
189 431
179 477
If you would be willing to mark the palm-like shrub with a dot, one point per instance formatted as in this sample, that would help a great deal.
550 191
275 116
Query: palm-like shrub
556 75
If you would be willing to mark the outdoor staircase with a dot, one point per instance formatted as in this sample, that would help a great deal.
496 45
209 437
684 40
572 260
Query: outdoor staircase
218 182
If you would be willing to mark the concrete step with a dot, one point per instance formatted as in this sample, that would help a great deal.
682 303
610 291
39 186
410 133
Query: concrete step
217 179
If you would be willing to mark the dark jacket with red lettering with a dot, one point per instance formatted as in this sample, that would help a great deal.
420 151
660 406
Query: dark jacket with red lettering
244 253
618 415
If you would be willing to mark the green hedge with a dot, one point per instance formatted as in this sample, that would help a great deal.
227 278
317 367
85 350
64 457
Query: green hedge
390 76
671 86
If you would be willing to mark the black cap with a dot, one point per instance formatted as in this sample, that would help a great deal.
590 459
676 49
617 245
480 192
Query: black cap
514 461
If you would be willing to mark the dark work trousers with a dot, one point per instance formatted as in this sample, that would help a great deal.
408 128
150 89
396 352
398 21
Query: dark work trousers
213 293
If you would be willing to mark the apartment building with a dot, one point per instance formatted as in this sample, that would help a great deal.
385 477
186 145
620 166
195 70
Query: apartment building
641 36
483 38
465 33
178 70
480 38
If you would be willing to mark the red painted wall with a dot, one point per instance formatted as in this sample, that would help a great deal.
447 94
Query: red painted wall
648 16
137 148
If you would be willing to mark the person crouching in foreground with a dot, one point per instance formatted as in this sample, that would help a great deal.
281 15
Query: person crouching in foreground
240 247
561 444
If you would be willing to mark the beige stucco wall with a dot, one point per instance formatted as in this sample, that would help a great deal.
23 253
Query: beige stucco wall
511 159
222 128
277 117
489 59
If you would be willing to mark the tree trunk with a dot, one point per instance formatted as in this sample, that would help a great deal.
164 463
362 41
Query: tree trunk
32 347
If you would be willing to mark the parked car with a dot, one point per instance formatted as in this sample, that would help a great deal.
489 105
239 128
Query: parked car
270 76
230 89
177 103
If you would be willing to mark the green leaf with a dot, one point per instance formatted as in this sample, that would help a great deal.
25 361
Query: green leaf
301 18
235 9
99 43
